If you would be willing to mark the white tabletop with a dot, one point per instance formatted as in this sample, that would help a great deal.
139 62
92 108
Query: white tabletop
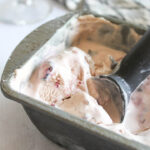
16 130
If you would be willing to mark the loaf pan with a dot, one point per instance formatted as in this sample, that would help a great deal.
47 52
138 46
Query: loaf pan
62 128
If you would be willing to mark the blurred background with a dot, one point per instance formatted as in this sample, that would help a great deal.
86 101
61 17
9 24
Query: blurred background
20 17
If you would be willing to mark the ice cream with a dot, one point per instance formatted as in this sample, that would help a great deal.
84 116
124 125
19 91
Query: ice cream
58 77
61 80
138 111
105 42
136 124
86 107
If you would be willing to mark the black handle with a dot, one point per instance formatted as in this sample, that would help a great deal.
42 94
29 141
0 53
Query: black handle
135 67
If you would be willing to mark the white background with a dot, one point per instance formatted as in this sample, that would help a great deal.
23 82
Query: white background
16 130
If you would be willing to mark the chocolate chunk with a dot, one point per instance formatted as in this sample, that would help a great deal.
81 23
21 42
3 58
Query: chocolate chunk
113 63
125 30
139 89
92 53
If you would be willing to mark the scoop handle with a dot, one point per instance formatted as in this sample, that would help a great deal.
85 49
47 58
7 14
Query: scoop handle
135 67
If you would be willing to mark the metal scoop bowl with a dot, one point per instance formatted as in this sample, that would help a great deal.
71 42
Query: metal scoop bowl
113 91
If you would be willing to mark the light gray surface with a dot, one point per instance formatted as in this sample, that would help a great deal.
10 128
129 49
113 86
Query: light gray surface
16 130
132 11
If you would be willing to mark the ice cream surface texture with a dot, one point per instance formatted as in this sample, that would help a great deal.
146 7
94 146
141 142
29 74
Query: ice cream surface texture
61 81
61 78
58 77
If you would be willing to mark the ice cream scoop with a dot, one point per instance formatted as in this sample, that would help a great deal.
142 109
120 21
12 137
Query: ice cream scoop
113 91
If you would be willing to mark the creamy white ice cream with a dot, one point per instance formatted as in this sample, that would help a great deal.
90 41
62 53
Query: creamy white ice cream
58 77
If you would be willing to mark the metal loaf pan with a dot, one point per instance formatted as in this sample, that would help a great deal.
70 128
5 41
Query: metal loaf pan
60 127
